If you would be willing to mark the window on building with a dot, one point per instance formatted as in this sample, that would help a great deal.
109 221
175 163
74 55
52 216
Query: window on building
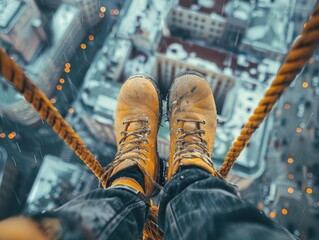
195 25
201 27
203 20
196 18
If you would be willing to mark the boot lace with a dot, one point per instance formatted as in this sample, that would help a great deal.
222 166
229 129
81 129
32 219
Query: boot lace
185 148
131 145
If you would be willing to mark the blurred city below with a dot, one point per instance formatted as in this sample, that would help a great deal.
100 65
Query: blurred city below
79 52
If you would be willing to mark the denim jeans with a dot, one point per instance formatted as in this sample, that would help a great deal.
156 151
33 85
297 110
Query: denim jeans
194 205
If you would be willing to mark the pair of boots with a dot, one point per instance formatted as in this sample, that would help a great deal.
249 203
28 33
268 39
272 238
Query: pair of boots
193 120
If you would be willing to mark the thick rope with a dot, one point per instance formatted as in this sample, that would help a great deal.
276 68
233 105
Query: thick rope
300 53
14 74
296 59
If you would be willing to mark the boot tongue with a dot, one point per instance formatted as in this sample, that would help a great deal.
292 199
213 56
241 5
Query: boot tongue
133 127
190 127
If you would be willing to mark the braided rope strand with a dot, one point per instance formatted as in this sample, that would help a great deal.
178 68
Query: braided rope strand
14 74
296 59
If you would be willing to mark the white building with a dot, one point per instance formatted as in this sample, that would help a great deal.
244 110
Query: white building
114 54
271 29
144 22
222 21
21 27
90 10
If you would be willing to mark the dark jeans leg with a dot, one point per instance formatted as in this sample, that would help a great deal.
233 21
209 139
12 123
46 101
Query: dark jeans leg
115 213
196 205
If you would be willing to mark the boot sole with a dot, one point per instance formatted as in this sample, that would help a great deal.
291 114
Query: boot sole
160 164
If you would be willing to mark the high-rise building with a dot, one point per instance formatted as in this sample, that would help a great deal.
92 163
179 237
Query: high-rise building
144 22
112 58
8 181
22 28
58 182
90 10
67 33
270 30
222 21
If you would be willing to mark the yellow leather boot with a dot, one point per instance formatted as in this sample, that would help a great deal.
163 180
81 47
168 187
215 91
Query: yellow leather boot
193 121
137 119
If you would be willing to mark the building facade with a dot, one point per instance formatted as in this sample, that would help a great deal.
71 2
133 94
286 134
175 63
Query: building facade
90 10
221 22
22 28
67 33
8 181
175 55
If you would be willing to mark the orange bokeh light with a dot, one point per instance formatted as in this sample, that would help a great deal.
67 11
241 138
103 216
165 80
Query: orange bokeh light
305 84
116 12
309 190
290 190
59 87
103 9
290 160
284 211
12 135
83 46
91 37
61 80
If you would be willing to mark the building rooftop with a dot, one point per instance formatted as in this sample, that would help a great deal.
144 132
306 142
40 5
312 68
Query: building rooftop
58 182
8 12
146 18
62 20
271 27
209 58
139 62
206 6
